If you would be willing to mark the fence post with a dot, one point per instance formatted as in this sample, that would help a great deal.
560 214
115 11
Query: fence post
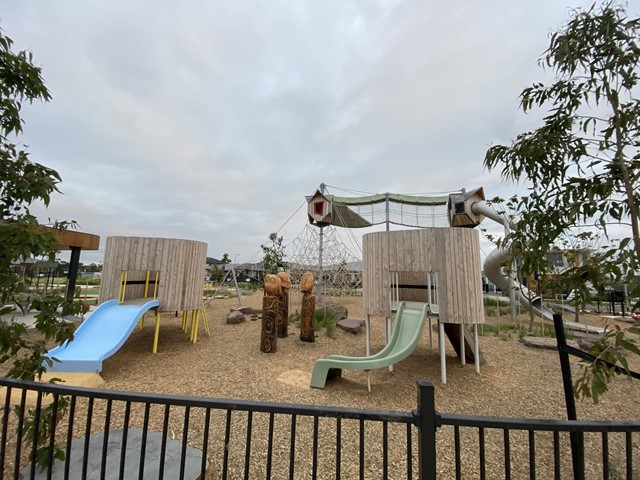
577 438
427 425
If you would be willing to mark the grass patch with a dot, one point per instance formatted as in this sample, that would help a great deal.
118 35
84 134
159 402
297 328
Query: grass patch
510 330
294 318
494 308
327 320
322 319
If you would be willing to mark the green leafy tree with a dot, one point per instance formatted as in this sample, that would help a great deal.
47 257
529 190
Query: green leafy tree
22 183
225 258
530 263
273 252
215 273
583 163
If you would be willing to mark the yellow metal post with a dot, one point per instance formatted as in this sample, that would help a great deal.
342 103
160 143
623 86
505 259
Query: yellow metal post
123 286
157 332
146 284
193 322
205 320
184 321
155 287
195 328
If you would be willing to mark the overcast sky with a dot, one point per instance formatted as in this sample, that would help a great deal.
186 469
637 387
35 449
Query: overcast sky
211 120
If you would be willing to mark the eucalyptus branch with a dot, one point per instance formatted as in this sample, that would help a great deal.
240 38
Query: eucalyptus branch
582 166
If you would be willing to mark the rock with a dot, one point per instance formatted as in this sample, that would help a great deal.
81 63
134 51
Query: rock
585 343
235 317
350 325
245 310
545 343
338 311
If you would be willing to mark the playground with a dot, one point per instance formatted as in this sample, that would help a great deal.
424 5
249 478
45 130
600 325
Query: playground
516 381
159 279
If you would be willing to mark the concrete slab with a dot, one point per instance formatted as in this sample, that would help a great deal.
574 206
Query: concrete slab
134 447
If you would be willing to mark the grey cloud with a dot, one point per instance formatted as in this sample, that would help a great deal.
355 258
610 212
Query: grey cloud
213 120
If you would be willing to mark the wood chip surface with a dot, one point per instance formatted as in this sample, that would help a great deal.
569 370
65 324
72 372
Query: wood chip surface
517 381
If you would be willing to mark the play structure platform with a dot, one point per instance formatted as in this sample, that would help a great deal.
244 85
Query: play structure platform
100 336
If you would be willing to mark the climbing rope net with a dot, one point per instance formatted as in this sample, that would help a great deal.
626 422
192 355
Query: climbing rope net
341 269
323 251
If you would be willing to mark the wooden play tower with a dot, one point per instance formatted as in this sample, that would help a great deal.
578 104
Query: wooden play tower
167 269
439 266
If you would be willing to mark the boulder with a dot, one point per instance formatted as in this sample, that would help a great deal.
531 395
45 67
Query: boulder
350 325
235 317
245 310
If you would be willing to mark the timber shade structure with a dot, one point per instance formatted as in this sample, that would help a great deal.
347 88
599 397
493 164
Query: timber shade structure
74 241
428 265
180 265
368 210
69 239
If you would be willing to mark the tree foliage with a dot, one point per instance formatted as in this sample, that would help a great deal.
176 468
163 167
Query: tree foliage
583 164
22 183
273 252
21 235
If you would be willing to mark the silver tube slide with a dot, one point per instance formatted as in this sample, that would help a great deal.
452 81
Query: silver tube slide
493 265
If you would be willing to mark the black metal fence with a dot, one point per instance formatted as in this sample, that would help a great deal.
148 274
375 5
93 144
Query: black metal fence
486 447
107 434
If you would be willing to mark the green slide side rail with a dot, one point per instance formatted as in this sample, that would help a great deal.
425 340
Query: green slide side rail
407 330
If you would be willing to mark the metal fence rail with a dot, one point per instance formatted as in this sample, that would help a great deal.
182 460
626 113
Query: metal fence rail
164 436
242 439
493 447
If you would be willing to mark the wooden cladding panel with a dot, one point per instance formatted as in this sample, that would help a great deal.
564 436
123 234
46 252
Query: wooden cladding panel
376 300
453 253
180 263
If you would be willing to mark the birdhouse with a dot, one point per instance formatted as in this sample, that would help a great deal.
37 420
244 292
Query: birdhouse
459 206
329 210
319 208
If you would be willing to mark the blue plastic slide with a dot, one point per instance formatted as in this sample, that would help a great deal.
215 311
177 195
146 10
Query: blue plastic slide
101 335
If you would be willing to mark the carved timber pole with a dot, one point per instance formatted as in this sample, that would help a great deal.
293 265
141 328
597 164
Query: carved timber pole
270 313
282 321
307 316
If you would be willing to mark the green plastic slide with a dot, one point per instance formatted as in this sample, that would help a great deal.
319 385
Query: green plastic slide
407 330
